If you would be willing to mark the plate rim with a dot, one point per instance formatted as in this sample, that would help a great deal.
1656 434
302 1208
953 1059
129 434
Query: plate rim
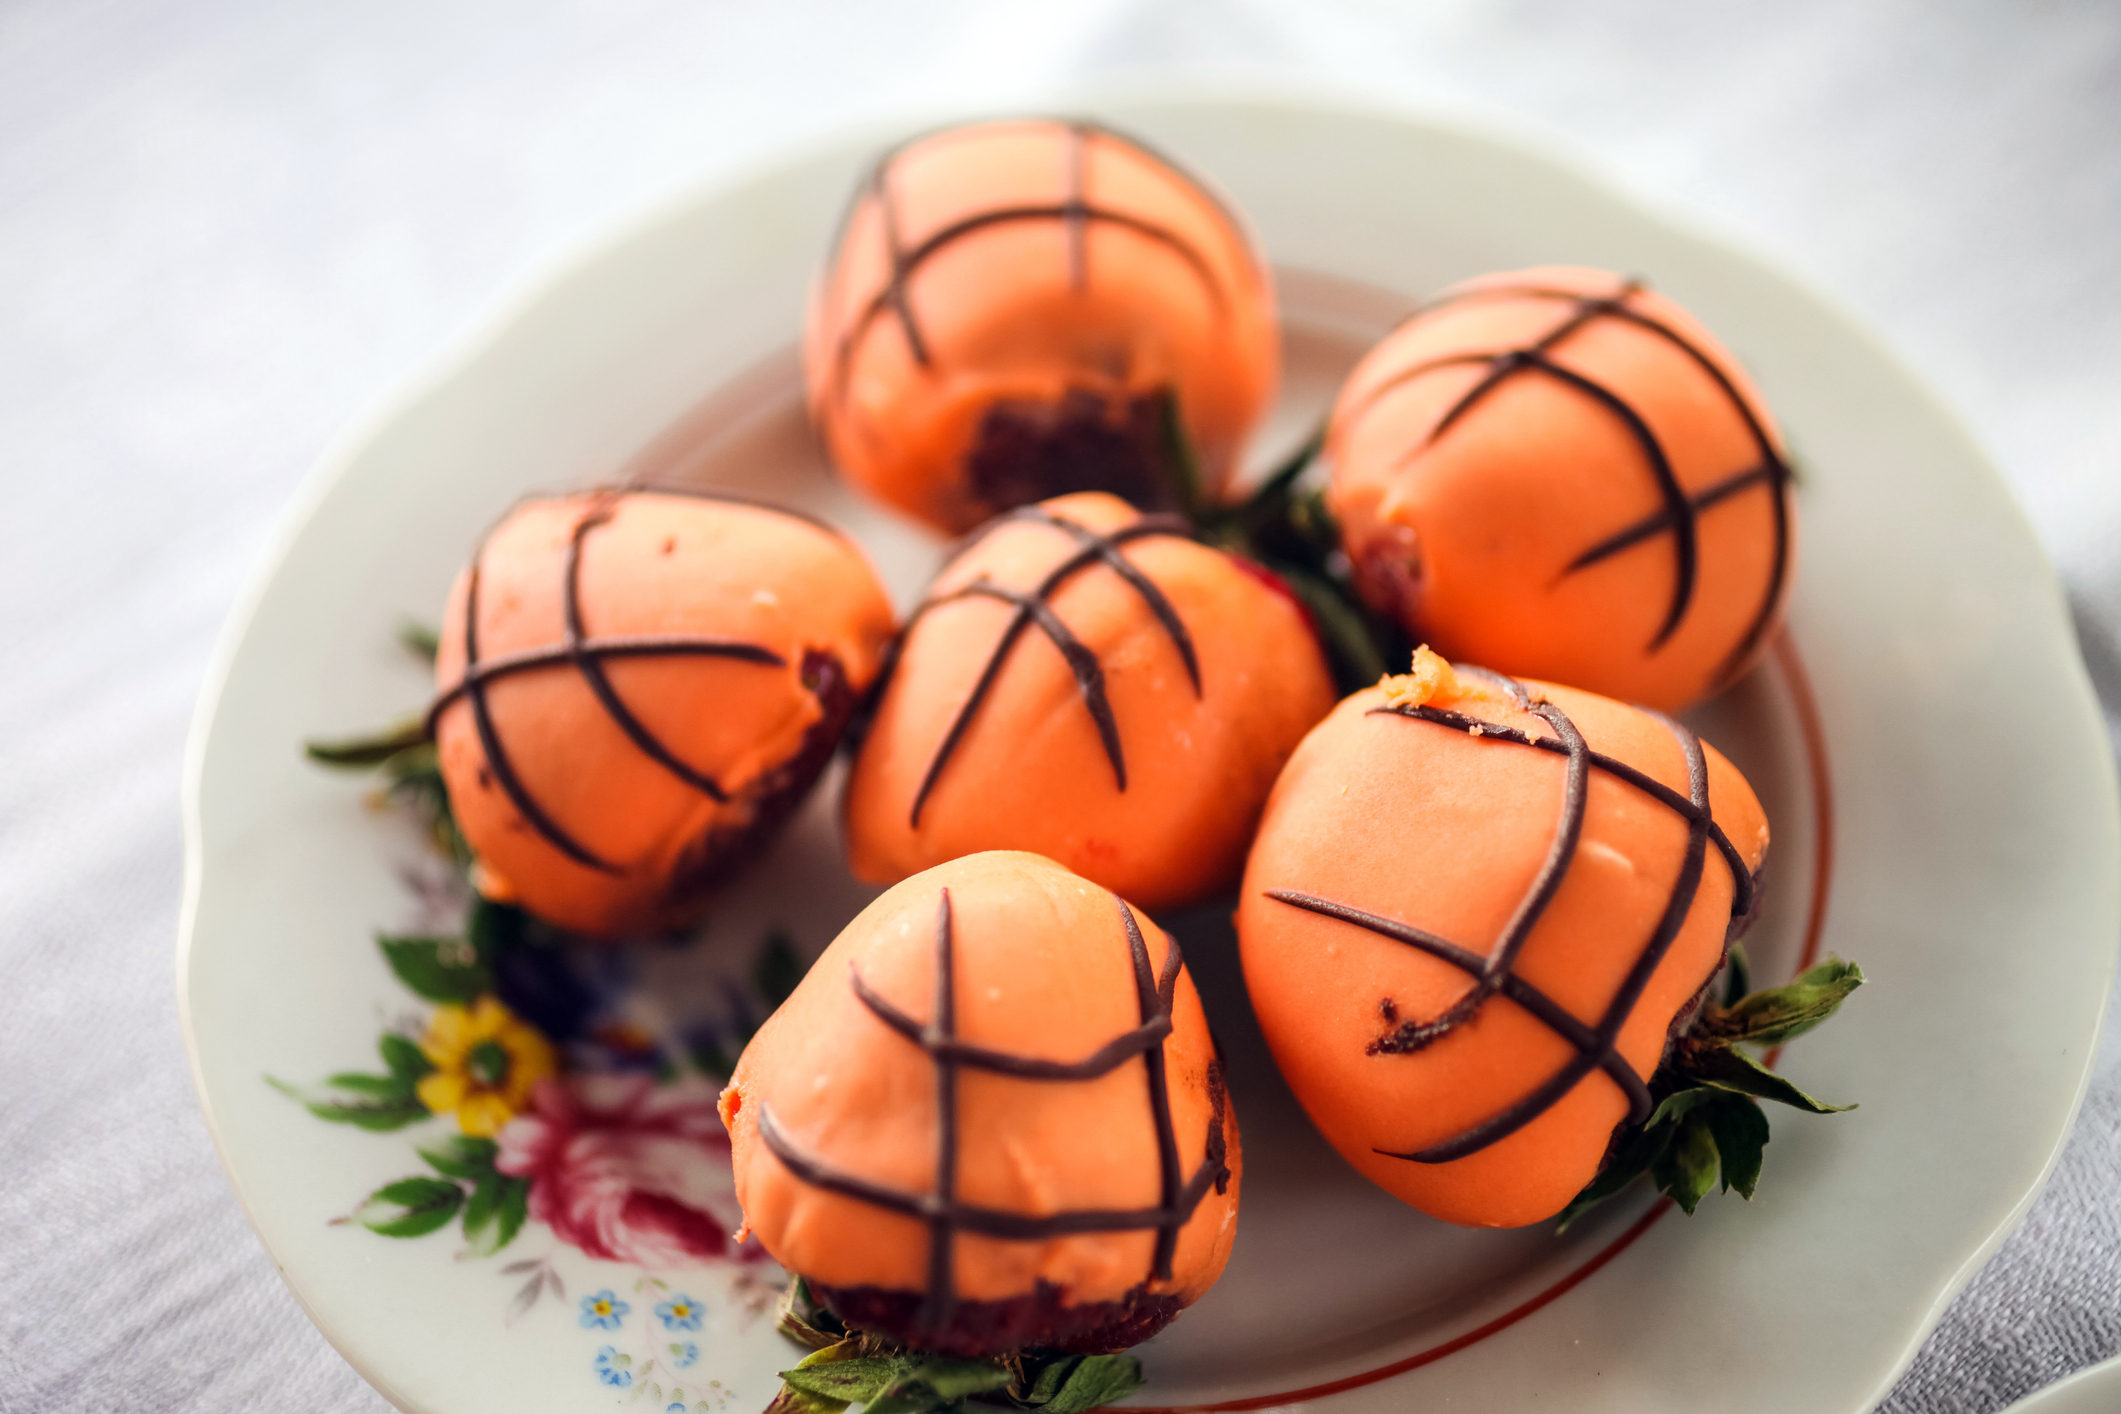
2061 1396
1525 139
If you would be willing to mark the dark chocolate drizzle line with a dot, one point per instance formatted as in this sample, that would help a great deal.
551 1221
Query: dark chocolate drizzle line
1680 510
586 655
473 684
1495 974
895 247
1661 521
1076 205
599 683
1074 211
1089 126
1688 810
941 1231
941 1210
1034 608
1518 990
1509 361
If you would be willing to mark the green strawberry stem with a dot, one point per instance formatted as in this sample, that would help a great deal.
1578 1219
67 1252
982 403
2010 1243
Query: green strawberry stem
1284 526
848 1367
1708 1129
405 759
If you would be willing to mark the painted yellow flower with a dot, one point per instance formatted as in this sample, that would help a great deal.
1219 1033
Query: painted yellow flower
485 1063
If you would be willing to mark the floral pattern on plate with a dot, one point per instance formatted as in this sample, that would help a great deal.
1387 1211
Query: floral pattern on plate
570 1100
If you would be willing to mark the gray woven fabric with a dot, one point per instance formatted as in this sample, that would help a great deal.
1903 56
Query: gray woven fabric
225 230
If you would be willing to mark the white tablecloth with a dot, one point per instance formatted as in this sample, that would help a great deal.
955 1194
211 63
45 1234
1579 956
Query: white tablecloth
228 229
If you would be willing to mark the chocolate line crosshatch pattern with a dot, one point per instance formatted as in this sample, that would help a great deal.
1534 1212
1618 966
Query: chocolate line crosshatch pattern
1035 607
1681 508
1493 974
586 653
945 1214
1075 211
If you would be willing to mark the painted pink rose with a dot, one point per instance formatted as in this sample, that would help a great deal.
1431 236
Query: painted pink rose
627 1170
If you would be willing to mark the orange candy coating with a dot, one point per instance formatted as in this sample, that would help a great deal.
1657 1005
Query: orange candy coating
632 844
1042 967
1530 529
1031 769
1429 826
1010 306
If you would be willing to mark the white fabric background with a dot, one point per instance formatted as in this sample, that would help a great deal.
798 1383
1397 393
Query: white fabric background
226 230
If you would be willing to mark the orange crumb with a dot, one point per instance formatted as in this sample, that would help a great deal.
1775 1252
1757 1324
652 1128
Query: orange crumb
1429 679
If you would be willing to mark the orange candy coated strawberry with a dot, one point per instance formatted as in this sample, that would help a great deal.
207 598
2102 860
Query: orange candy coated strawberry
1091 684
991 1117
637 687
1475 910
1558 472
1018 309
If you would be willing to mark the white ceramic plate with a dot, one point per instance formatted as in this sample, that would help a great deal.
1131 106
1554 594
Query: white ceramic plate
2093 1391
1943 811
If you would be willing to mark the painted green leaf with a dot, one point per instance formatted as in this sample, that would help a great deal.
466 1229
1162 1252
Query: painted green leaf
479 1211
403 1056
377 1087
1096 1382
437 969
1727 1068
514 1206
1741 1132
372 1102
462 1156
411 1207
494 1213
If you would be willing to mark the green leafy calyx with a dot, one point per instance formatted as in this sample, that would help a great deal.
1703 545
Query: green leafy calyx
1708 1130
847 1368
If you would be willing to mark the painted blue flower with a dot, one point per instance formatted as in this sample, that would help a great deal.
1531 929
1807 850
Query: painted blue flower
613 1368
675 1407
680 1313
684 1354
603 1311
